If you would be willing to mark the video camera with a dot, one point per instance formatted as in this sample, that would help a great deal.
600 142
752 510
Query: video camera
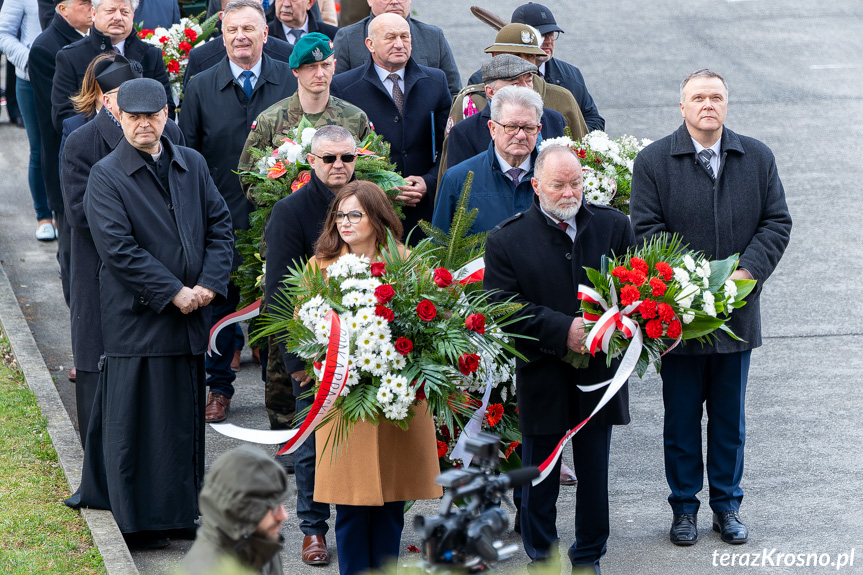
467 537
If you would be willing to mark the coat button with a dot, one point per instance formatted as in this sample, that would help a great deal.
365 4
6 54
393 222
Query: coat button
171 207
397 119
142 300
568 256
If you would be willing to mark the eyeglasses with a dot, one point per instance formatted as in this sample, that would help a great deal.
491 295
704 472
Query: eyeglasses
512 129
330 159
553 35
353 217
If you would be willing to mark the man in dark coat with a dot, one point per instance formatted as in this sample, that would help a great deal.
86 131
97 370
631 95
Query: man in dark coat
217 116
430 47
721 192
295 19
163 233
537 258
84 148
410 114
295 224
112 31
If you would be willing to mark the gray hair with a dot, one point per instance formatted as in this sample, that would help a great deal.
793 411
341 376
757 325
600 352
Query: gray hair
236 5
702 73
330 133
518 96
547 152
134 3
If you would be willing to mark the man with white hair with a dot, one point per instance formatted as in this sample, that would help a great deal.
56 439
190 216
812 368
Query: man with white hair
112 30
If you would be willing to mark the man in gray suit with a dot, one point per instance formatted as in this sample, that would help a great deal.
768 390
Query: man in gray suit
430 47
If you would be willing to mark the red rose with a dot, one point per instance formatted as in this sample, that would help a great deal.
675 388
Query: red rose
404 346
190 34
174 67
302 179
493 414
475 322
384 312
185 47
581 153
674 329
647 309
654 329
421 395
666 313
468 363
442 448
665 270
378 269
629 295
442 277
658 287
639 264
425 309
163 40
637 277
385 293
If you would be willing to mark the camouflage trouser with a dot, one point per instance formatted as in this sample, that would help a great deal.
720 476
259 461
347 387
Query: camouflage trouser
278 392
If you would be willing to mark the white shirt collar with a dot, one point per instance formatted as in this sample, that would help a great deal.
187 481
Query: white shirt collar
287 29
505 167
542 70
121 46
714 147
382 74
571 230
236 70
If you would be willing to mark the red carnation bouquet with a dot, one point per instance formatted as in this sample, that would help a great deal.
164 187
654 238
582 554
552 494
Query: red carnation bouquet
658 295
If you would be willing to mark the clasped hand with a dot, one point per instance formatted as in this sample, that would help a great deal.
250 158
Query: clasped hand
190 299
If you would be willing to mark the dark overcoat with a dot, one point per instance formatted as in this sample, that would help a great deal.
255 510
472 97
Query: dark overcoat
43 54
216 119
84 147
315 25
743 212
211 53
530 259
152 242
416 138
72 62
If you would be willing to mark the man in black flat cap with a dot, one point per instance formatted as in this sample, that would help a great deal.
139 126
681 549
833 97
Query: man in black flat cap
163 233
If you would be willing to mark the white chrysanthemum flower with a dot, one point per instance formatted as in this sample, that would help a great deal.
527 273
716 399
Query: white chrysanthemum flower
387 379
384 396
730 288
399 362
379 367
338 269
688 317
366 341
306 136
703 269
689 263
345 391
353 299
561 141
352 322
380 333
365 315
401 410
388 352
366 361
159 32
681 276
400 386
597 197
391 412
353 378
369 299
629 165
379 322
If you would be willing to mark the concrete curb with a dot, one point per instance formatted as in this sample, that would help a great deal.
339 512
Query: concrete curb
106 534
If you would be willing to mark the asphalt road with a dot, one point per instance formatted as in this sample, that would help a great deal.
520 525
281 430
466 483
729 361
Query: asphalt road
794 71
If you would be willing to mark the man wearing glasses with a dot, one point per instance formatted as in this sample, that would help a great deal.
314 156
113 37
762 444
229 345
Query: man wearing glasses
501 175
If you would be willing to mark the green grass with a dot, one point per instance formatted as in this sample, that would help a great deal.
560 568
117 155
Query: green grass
38 534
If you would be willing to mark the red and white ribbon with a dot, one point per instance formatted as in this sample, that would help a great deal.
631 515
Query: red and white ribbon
247 312
471 272
335 375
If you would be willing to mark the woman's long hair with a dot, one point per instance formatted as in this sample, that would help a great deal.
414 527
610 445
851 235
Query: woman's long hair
376 207
87 100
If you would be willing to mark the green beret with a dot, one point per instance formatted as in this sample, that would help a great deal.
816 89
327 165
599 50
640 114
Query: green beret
313 47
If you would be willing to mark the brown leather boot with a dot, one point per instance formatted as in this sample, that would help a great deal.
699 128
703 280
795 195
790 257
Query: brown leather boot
217 408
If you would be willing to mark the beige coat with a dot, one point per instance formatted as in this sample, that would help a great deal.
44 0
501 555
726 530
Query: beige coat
380 463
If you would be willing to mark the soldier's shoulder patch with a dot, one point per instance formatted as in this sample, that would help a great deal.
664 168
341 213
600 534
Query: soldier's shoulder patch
449 124
254 124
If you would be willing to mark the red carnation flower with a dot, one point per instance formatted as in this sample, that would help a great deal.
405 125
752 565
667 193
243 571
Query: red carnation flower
658 287
185 47
647 309
639 264
378 269
629 295
190 34
173 67
385 293
163 40
404 346
665 270
666 313
620 273
475 322
468 363
494 413
654 329
426 310
581 153
637 277
442 448
442 277
384 312
674 329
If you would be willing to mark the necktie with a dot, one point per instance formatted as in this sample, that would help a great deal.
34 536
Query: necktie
247 83
515 174
398 96
563 225
297 34
116 49
705 155
265 4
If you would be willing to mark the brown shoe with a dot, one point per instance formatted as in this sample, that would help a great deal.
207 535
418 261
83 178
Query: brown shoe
235 363
73 375
217 408
256 355
567 475
315 550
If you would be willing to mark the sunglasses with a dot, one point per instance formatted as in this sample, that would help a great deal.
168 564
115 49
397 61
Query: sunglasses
329 159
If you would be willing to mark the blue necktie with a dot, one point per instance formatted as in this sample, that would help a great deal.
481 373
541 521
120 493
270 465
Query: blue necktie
247 83
265 4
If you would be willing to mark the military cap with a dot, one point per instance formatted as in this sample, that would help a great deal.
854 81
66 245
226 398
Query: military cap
517 39
111 74
536 15
313 47
506 67
142 96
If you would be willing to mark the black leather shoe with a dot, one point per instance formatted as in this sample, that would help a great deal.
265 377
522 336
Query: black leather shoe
286 461
684 529
516 523
146 540
730 528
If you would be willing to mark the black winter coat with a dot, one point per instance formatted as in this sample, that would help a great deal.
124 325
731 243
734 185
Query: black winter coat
530 259
72 62
43 54
152 242
211 53
743 212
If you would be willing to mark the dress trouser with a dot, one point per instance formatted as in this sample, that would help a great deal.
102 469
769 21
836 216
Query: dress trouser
688 382
590 450
367 537
313 516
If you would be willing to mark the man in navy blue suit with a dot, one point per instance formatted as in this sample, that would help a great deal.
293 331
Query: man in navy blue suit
407 104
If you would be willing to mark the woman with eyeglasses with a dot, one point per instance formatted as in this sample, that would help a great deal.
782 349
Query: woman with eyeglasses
378 467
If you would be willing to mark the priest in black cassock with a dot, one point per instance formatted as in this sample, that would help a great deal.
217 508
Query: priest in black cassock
163 233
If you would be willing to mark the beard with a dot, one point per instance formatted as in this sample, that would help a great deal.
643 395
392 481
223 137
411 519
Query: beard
562 211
